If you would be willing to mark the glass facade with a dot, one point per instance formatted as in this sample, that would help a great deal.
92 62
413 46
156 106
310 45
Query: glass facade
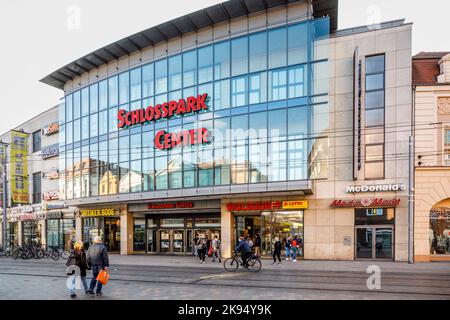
267 111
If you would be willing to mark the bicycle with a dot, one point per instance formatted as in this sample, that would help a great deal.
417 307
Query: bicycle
53 254
233 263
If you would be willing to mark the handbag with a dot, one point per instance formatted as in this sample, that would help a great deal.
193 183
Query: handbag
103 277
210 251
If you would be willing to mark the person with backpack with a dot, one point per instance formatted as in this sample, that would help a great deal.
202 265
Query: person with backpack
78 258
97 258
294 249
216 249
202 249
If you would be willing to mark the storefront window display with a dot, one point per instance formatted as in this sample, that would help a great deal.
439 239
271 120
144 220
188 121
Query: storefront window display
12 232
32 233
440 231
61 233
269 225
106 228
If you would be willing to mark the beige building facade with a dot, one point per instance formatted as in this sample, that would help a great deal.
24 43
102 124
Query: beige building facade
343 193
432 153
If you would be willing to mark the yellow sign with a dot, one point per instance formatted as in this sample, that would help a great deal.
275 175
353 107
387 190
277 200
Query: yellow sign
97 213
19 167
295 204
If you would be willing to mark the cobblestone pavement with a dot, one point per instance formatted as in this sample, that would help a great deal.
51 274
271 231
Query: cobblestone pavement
46 280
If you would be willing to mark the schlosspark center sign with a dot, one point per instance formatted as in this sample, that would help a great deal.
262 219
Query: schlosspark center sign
168 140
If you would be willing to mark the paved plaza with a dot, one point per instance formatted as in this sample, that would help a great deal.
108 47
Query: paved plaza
161 278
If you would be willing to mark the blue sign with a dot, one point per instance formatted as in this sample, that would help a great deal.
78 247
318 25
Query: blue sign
50 151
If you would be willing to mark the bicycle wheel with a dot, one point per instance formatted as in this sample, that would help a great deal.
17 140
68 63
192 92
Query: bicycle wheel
231 264
65 254
254 265
54 255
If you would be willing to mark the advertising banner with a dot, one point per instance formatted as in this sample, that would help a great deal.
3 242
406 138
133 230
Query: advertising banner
19 167
2 161
51 129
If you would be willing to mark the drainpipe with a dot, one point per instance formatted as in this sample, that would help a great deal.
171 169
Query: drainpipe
411 181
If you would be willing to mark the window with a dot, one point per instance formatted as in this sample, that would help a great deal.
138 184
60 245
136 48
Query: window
239 92
447 137
297 86
189 68
85 101
374 117
258 51
277 85
124 88
93 98
161 76
277 48
257 88
148 81
135 84
239 56
37 141
222 60
37 196
298 44
69 108
113 85
205 64
103 94
222 95
175 73
76 105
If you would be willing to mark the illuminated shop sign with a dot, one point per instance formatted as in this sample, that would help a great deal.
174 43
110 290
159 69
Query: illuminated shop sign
374 203
49 196
170 205
267 205
85 213
377 188
162 111
165 140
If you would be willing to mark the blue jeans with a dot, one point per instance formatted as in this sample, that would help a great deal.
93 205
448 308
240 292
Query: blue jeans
288 252
96 270
294 253
73 288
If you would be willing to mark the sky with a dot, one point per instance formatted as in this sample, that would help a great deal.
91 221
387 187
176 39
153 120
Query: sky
38 37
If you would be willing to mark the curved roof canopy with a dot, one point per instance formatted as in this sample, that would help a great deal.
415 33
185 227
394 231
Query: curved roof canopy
192 22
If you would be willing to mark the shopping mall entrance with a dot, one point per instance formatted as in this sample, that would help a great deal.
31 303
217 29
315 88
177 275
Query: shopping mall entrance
270 225
173 234
106 228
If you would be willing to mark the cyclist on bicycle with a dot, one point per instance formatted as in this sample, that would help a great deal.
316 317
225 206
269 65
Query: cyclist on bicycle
244 246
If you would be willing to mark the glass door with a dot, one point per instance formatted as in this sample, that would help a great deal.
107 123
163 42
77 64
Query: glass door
112 234
178 241
364 243
384 243
374 242
151 241
164 241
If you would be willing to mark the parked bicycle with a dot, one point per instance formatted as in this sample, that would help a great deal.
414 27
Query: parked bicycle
233 263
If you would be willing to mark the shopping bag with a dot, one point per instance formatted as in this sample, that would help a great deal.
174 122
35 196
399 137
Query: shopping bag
210 251
103 277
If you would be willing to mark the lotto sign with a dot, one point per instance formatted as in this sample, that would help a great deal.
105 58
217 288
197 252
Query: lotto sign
295 204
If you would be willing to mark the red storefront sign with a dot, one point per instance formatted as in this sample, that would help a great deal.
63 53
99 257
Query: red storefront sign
164 140
254 206
161 111
365 203
170 205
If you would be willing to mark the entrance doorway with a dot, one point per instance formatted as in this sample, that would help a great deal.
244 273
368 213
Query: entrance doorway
374 242
106 228
172 241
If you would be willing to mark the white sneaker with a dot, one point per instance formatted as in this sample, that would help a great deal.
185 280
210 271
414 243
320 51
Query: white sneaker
287 259
295 260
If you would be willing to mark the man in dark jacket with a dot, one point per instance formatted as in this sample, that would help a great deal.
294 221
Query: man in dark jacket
97 258
245 248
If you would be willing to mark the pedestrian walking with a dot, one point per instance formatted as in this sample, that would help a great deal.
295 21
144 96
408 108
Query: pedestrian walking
257 246
277 251
97 258
287 248
216 249
294 249
202 249
78 258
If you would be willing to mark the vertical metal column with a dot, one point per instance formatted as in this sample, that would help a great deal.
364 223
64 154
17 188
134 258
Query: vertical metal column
411 202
